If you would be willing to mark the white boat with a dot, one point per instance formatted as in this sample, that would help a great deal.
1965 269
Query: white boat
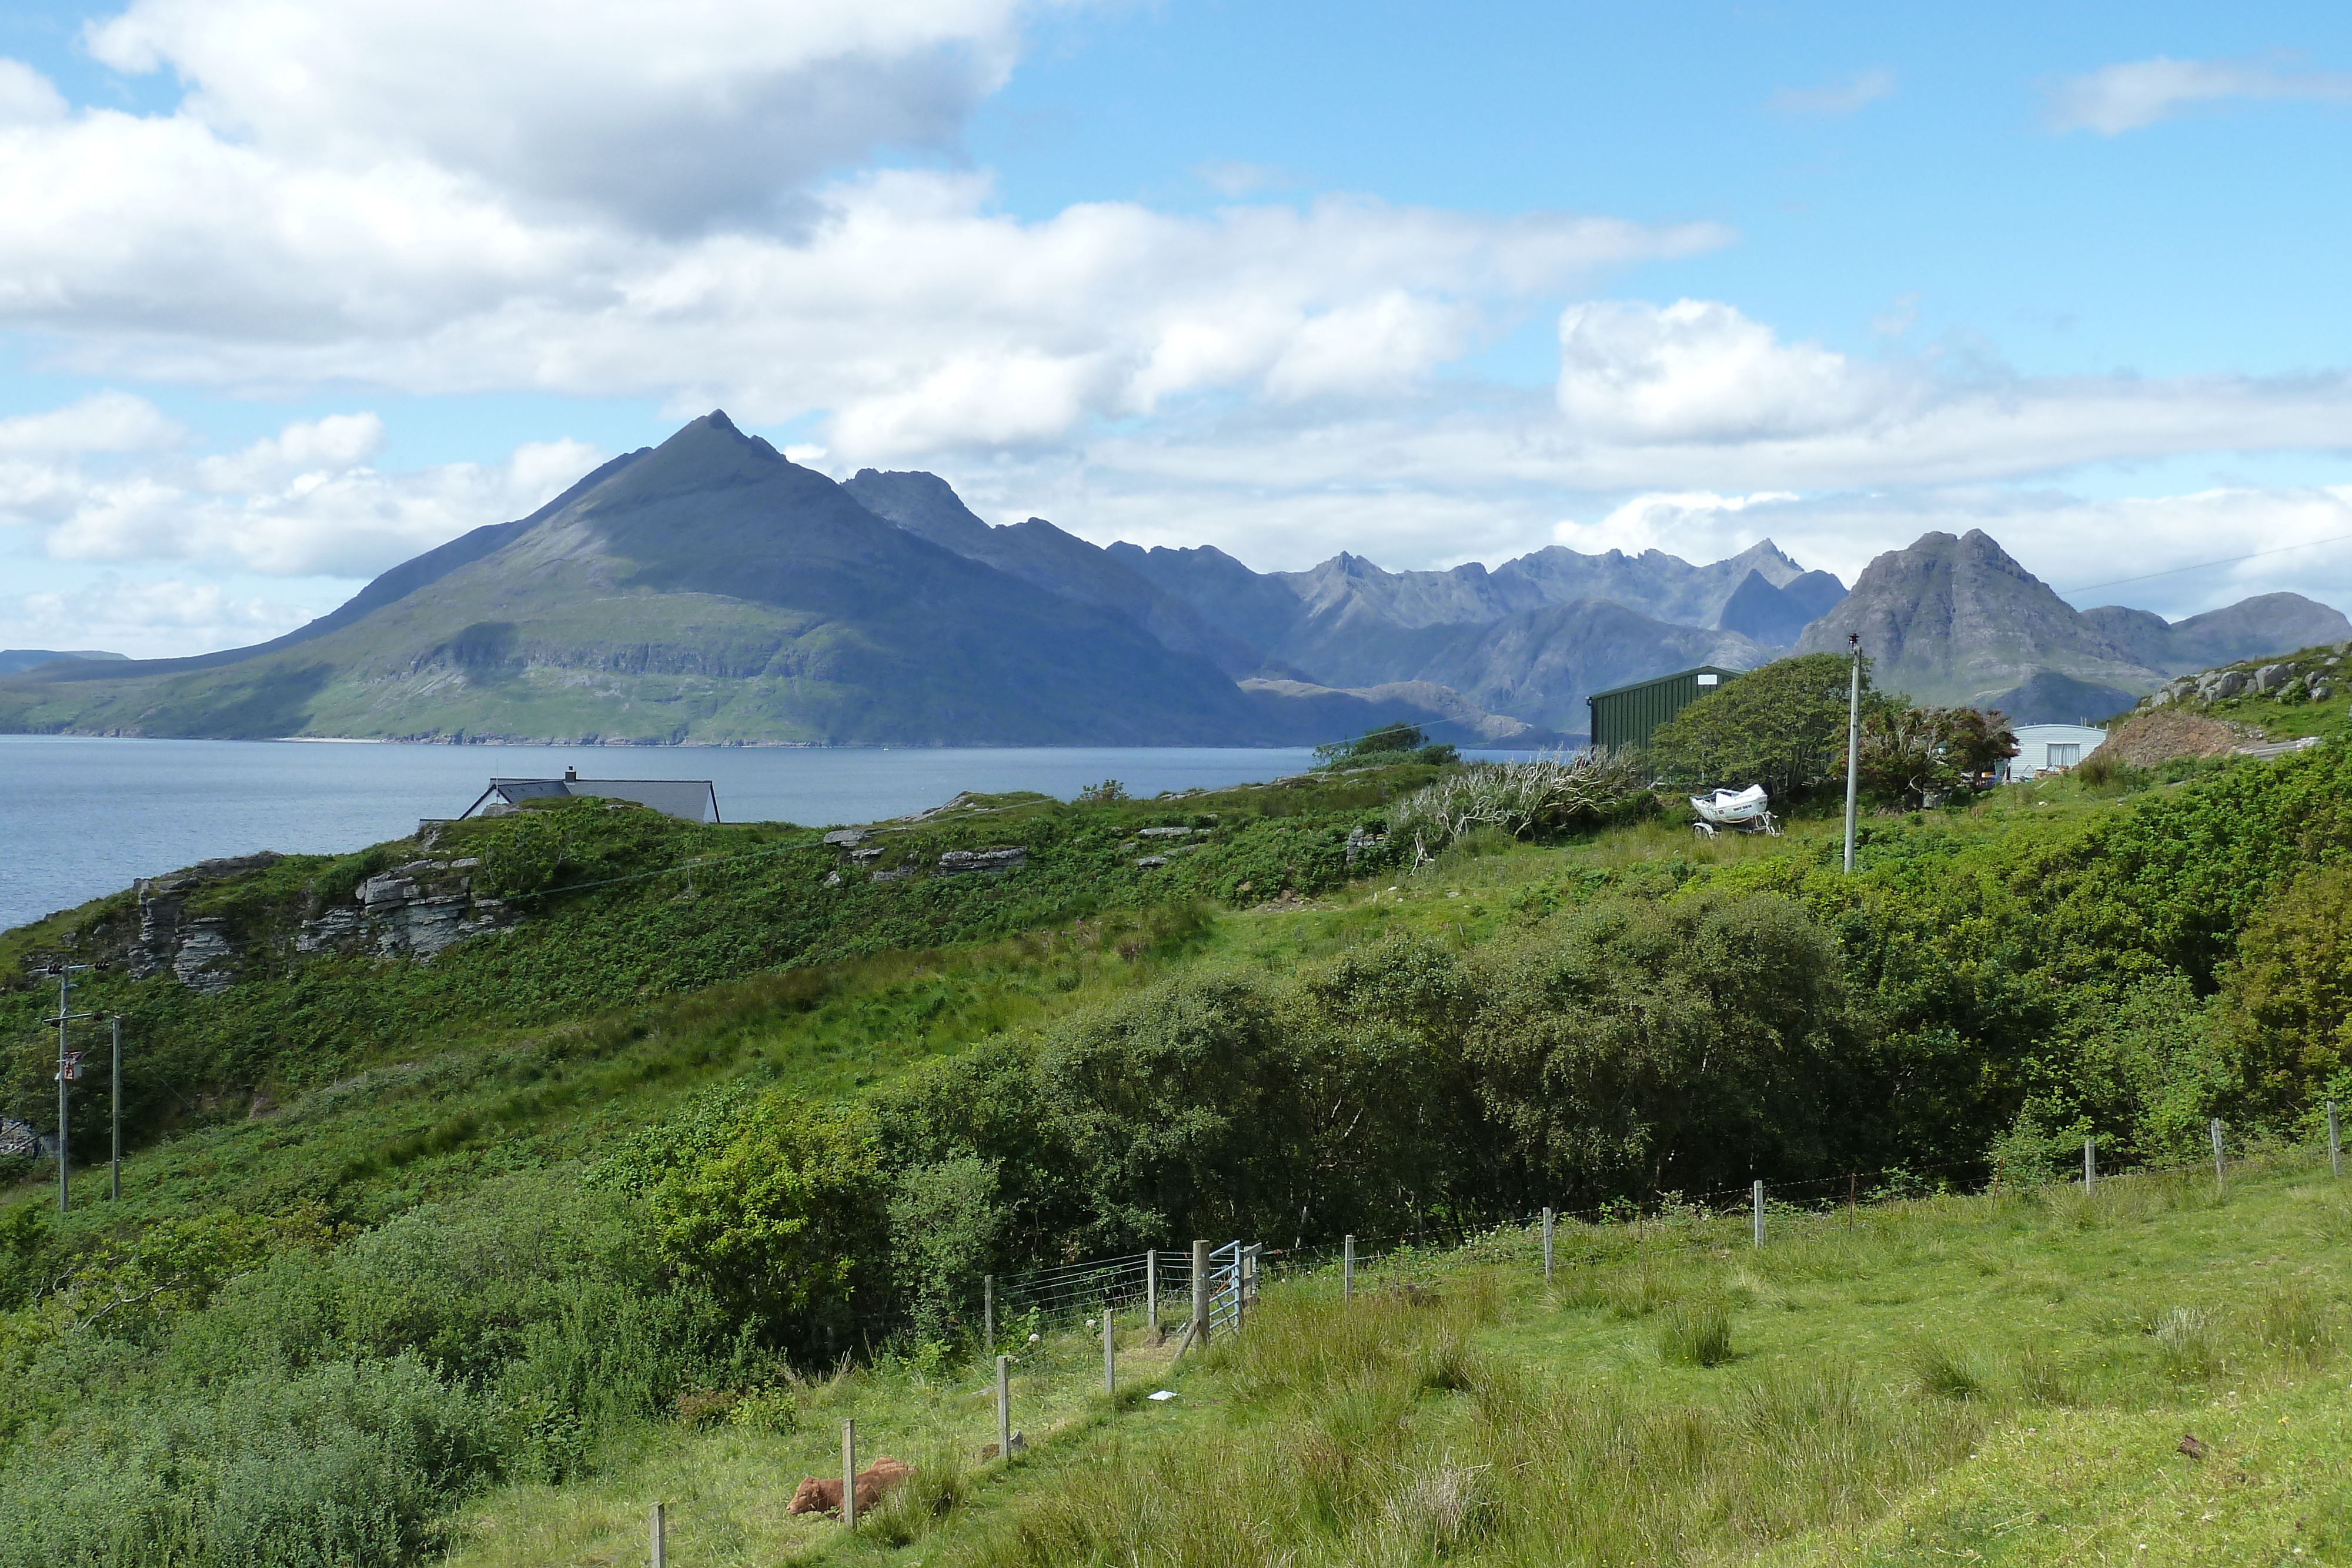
1744 810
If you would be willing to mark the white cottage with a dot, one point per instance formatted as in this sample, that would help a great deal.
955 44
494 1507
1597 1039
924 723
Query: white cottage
2050 749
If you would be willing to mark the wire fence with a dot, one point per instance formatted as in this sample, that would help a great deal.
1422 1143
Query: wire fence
1160 1282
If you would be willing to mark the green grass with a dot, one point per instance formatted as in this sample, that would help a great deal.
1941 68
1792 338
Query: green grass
1998 1379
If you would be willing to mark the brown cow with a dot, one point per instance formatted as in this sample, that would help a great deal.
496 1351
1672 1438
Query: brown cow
883 1475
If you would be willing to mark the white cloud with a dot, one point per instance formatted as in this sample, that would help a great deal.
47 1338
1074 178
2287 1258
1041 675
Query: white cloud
303 503
1698 369
105 422
26 97
668 116
1837 99
1697 525
340 440
147 620
2132 96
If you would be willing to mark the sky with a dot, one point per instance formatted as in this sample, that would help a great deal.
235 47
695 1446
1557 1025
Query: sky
290 292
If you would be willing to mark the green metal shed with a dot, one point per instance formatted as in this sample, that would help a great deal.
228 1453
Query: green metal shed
1629 715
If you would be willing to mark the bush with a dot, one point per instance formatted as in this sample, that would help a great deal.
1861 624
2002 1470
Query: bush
1678 1045
1782 725
1552 794
787 1224
345 1463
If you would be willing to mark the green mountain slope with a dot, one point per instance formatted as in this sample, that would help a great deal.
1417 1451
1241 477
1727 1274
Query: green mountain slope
706 591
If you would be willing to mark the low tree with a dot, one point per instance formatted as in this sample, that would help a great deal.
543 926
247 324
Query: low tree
1398 742
1782 725
1911 753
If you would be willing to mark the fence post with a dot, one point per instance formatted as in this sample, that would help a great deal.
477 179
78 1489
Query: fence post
2335 1143
1852 1196
1151 1294
1348 1268
2221 1173
661 1535
1546 1246
1110 1358
849 1474
2090 1165
1201 1293
1004 1407
988 1309
1756 1196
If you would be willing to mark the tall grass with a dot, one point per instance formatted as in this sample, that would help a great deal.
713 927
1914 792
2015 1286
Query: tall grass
1361 1456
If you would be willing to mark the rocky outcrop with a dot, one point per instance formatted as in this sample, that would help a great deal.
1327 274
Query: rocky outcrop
996 861
196 949
416 911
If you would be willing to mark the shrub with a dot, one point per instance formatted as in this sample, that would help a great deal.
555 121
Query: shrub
787 1224
1552 794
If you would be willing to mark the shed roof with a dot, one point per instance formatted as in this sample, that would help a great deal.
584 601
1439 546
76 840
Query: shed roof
1677 675
694 800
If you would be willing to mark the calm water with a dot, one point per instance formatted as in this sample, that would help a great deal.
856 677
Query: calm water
81 817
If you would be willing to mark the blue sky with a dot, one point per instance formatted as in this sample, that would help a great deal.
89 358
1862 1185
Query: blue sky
298 293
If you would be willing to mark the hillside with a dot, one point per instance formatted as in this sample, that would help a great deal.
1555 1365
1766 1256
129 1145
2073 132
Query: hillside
498 1236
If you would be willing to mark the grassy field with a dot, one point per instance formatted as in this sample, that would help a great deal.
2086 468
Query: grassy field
1998 1379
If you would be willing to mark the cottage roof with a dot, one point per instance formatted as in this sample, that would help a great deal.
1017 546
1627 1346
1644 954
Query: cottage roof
694 800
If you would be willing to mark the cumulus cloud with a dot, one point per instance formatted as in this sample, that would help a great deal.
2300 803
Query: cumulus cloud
303 503
1836 100
106 421
1698 369
671 116
26 97
155 618
2132 96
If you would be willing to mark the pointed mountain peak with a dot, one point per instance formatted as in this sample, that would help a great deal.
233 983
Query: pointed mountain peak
924 504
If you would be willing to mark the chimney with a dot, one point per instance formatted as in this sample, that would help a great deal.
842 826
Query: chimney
572 775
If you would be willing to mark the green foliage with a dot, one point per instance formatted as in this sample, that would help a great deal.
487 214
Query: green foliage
1695 1331
2290 990
1643 1046
1909 754
1388 744
1548 795
785 1223
1782 725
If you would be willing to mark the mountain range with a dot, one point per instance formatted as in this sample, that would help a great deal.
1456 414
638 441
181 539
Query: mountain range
709 590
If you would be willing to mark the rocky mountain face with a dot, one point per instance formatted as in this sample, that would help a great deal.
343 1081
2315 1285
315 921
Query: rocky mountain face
1043 555
1957 620
1533 636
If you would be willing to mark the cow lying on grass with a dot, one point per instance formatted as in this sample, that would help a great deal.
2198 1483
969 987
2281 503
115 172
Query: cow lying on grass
876 1481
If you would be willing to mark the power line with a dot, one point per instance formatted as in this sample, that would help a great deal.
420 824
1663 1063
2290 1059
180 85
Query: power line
2201 566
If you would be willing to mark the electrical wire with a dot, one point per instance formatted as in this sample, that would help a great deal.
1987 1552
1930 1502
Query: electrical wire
2201 566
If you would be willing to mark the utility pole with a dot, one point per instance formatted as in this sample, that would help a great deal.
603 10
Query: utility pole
68 1068
1853 744
115 1193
